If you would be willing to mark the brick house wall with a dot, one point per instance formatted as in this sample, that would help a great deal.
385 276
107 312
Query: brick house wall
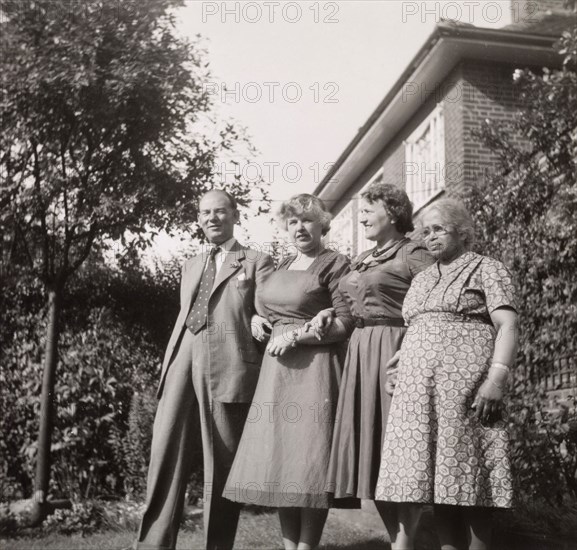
473 92
490 93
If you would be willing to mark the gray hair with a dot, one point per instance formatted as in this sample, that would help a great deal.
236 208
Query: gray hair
454 214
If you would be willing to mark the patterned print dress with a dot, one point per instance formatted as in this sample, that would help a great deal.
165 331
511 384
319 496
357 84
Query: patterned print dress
435 450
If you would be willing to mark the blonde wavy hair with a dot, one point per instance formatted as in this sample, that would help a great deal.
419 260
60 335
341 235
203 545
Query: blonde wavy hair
305 205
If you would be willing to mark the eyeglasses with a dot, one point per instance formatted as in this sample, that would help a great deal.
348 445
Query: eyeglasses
438 230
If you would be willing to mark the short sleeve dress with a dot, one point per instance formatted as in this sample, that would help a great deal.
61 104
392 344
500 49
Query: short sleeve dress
283 454
435 450
375 291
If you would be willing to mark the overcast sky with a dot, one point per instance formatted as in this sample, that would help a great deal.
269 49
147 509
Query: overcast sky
303 77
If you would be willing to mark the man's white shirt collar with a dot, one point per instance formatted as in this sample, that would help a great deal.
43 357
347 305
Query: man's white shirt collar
224 248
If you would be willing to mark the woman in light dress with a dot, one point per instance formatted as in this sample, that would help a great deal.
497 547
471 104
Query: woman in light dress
282 459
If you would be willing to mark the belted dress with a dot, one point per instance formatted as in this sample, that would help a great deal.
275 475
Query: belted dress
374 291
282 458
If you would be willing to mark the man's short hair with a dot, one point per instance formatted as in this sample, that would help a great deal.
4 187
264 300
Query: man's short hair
231 199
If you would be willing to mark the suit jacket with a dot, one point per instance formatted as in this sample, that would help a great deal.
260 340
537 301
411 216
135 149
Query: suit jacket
234 357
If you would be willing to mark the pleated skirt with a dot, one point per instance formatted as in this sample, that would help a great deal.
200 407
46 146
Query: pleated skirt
362 412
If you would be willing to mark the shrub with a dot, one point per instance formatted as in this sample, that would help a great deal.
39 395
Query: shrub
136 444
544 450
539 516
82 518
112 342
8 521
525 213
20 379
102 366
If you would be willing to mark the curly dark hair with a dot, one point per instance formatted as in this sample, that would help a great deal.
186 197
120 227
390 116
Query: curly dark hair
395 201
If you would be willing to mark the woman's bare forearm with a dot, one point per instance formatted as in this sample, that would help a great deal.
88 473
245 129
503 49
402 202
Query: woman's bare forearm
337 332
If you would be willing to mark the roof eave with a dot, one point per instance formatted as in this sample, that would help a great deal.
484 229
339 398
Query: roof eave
463 42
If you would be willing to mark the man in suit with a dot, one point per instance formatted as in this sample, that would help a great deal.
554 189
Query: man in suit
211 368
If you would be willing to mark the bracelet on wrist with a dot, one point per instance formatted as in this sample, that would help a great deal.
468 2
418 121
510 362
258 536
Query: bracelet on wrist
500 366
294 336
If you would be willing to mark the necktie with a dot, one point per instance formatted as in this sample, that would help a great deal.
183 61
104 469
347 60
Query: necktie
198 313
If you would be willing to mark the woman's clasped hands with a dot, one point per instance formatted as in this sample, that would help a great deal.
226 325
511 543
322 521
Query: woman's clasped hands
321 323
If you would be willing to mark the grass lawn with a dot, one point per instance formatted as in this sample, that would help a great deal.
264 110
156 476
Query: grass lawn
262 531
254 531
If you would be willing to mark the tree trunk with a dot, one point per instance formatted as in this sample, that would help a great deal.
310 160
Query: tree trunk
41 482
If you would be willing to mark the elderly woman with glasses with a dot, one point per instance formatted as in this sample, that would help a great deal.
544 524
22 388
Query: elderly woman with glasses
446 442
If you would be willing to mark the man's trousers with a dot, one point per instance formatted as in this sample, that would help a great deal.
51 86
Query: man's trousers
186 398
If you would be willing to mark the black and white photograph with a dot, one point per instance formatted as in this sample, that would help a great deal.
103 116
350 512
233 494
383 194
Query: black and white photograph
288 274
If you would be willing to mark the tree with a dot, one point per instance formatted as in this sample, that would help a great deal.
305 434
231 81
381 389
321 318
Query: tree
102 111
527 214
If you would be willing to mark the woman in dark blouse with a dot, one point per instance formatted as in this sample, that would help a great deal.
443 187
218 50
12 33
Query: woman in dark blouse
374 290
